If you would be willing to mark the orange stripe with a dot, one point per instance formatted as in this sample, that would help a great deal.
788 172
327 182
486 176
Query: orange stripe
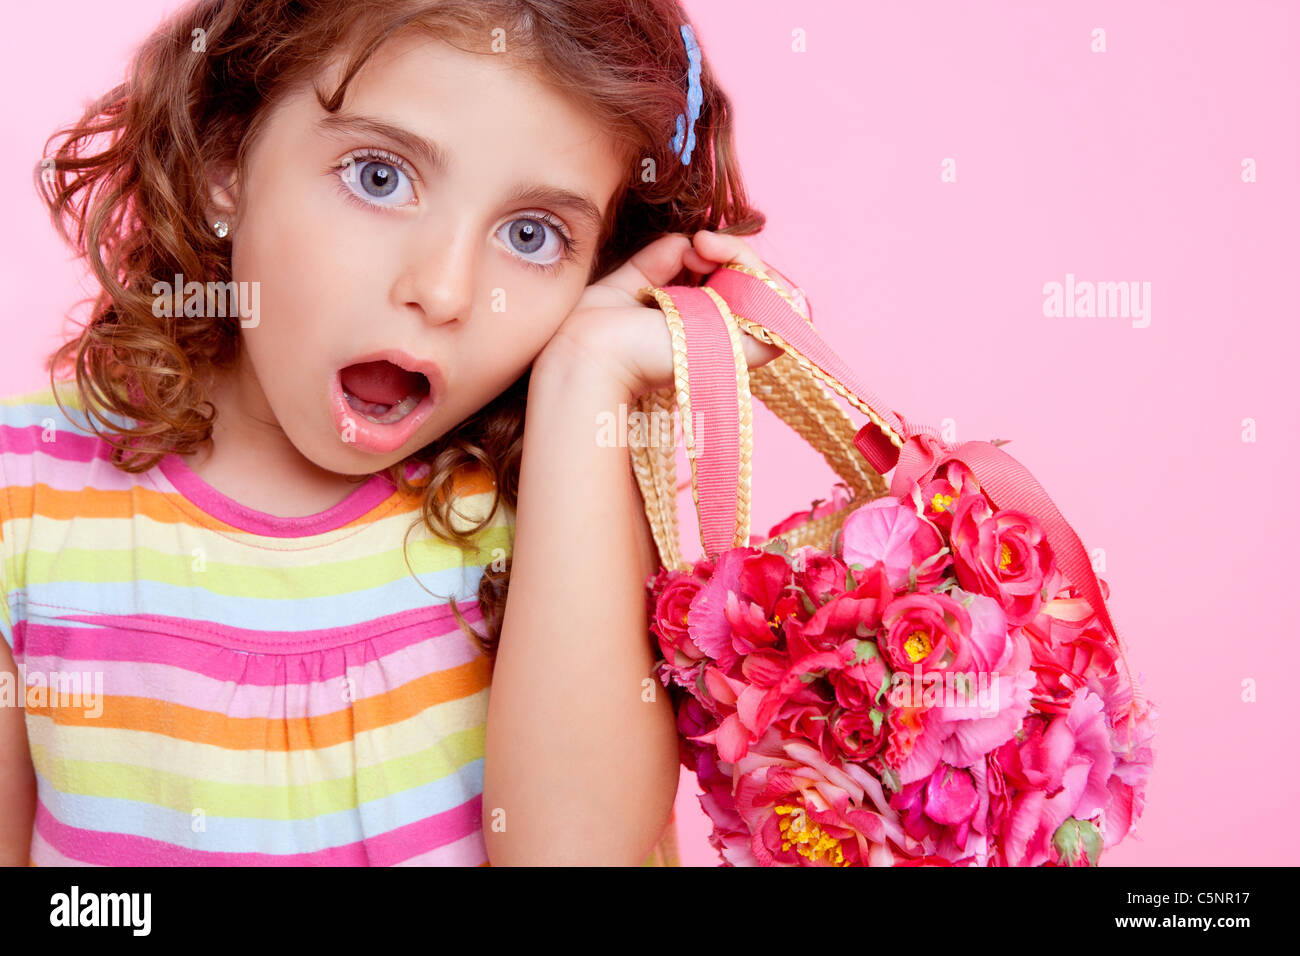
261 733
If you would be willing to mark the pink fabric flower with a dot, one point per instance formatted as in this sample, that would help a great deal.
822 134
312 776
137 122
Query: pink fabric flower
820 575
1004 555
929 630
809 720
1060 770
803 811
851 614
859 684
1131 733
943 804
888 531
968 720
676 590
1069 645
708 624
750 608
857 736
936 498
758 707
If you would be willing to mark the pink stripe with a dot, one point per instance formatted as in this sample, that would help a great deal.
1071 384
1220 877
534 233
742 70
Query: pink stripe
73 463
202 648
45 855
467 851
70 446
387 849
298 694
62 465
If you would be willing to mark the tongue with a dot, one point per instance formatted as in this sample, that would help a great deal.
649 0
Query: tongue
381 382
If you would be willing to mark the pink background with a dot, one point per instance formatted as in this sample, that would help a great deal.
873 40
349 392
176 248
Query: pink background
1115 166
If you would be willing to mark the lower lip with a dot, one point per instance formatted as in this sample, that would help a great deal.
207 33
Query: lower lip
368 436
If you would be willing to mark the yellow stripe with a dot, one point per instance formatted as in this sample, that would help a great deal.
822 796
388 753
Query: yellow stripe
185 794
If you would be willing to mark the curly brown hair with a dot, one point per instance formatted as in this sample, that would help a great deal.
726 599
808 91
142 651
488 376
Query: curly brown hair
125 186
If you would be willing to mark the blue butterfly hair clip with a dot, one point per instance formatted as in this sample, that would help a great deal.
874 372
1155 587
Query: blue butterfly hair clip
684 142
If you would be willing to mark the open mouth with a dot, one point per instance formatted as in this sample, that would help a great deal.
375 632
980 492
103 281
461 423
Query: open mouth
381 392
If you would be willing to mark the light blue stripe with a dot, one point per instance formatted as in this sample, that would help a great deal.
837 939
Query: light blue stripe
293 612
34 414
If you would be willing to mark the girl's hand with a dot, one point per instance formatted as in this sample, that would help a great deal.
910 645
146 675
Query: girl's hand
631 341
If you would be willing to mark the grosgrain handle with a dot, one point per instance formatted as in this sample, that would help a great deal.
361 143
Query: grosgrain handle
711 386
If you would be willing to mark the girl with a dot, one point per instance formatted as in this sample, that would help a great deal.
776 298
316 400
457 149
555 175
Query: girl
368 278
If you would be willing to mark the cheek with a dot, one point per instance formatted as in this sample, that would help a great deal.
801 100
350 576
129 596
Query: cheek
519 333
315 264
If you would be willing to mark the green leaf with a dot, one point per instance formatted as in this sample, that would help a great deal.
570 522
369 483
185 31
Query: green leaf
877 718
890 779
884 687
934 558
865 650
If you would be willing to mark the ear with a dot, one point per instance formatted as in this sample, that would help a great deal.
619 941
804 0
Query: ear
223 196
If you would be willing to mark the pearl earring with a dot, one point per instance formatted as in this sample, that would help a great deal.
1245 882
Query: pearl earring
220 228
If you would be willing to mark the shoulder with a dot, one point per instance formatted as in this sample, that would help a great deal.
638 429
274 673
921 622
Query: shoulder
476 499
52 409
43 429
476 504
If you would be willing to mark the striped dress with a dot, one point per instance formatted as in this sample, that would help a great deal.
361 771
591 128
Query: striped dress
206 684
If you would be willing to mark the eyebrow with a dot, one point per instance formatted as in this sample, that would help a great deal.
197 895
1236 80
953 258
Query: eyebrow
436 158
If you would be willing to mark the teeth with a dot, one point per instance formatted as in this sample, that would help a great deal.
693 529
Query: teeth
368 410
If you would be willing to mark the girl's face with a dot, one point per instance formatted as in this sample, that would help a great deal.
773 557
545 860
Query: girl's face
428 223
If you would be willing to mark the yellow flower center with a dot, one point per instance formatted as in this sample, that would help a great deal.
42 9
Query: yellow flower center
808 838
1006 558
917 646
941 502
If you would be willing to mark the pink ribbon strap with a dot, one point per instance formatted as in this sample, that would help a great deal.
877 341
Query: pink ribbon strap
711 371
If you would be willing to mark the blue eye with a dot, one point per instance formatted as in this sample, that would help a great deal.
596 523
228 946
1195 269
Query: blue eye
377 178
536 233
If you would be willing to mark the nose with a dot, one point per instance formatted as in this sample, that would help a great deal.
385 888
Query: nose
437 276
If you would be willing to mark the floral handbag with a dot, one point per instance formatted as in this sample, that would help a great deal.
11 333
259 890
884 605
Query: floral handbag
923 672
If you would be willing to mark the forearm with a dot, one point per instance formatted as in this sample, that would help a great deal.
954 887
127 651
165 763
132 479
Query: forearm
580 767
17 779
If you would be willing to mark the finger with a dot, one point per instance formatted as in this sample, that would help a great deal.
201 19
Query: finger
654 264
724 248
718 247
